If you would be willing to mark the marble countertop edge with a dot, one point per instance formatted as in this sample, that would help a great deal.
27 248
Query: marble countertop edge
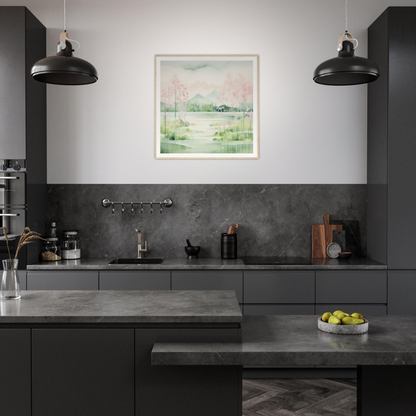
121 306
240 354
207 264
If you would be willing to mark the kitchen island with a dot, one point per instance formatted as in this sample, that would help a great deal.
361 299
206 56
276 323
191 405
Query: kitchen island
89 353
386 355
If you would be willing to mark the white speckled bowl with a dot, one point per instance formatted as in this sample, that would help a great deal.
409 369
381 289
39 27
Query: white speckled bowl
343 329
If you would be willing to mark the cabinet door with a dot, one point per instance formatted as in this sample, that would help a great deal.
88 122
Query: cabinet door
62 280
194 390
22 279
351 286
401 198
365 309
83 372
135 280
402 289
12 83
15 383
209 280
276 286
264 309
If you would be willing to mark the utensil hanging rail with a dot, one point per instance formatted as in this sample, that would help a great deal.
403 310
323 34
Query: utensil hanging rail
107 202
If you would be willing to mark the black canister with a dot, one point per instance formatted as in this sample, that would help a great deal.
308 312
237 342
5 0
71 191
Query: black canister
228 246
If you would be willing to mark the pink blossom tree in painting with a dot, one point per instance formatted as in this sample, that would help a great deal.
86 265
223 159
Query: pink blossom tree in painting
165 98
205 104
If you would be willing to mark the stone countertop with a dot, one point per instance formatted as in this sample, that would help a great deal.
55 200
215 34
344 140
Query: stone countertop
296 340
113 307
208 264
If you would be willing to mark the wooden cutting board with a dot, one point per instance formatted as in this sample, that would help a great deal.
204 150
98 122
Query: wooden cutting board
321 237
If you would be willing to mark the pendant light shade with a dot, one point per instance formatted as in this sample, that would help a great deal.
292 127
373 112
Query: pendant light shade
64 69
346 69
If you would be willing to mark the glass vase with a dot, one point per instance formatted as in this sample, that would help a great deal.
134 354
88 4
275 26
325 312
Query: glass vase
10 285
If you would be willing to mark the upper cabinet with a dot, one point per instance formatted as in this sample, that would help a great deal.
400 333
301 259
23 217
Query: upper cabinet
23 100
392 139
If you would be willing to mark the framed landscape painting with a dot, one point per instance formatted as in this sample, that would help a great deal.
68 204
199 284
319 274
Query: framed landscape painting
206 107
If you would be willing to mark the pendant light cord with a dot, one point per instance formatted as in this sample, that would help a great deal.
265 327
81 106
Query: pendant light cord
64 15
346 16
71 40
346 34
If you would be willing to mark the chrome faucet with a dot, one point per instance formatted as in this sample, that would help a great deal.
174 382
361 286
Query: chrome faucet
140 250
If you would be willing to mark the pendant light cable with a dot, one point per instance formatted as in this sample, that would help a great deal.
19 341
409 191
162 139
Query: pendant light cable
346 16
64 15
63 46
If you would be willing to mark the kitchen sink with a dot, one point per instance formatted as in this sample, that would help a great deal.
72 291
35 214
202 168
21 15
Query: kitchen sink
136 261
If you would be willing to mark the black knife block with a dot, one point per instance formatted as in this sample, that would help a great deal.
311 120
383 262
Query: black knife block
228 246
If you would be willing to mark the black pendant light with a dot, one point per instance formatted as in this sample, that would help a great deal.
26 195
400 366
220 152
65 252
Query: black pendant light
346 68
64 69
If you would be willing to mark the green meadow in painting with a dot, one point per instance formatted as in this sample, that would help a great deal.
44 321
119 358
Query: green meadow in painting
206 106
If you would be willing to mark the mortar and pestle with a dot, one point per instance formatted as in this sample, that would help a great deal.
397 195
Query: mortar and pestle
192 251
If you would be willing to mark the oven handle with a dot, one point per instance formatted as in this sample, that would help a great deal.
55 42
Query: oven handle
9 177
9 215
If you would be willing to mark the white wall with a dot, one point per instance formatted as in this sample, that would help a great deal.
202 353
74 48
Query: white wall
104 133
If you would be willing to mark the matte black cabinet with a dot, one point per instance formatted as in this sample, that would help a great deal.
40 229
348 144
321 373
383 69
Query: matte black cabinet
187 390
391 174
22 109
15 373
83 372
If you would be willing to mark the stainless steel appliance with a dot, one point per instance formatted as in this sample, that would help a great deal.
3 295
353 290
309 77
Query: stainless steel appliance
12 196
14 208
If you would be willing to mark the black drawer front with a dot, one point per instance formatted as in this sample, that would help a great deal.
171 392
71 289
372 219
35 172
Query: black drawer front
402 289
279 287
351 287
365 309
209 280
62 280
265 309
135 280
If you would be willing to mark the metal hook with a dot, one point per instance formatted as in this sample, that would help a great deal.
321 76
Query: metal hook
132 207
151 207
160 207
122 207
141 207
112 210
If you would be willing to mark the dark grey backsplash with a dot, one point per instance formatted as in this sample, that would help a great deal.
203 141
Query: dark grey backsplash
275 220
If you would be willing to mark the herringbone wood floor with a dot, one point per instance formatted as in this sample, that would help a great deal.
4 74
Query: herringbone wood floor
294 397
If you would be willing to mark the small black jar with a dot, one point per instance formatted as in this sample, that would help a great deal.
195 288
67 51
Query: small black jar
228 246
